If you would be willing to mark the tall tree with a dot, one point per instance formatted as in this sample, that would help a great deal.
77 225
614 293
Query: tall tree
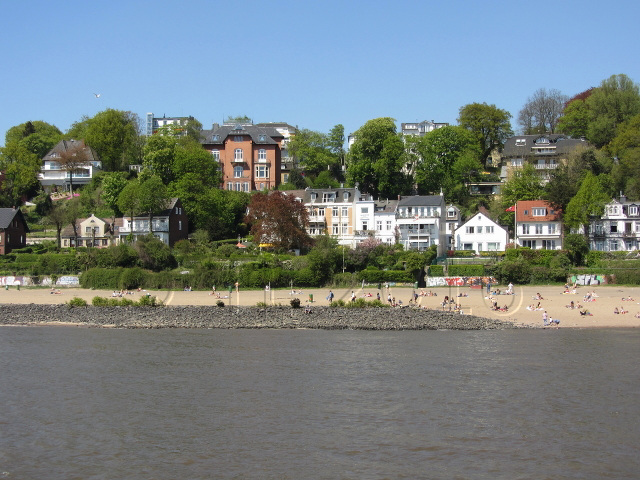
129 199
278 219
489 124
153 197
575 116
312 151
610 105
20 168
114 135
542 111
438 152
524 185
589 200
375 159
57 216
36 136
626 148
71 159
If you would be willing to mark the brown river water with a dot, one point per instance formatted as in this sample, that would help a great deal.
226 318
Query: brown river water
84 403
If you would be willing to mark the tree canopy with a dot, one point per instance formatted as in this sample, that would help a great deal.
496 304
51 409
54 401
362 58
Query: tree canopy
489 124
542 111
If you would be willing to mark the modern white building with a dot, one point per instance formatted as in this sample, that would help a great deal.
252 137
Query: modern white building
420 129
52 172
421 222
481 234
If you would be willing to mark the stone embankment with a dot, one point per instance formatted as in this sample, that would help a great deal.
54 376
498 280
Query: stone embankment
326 318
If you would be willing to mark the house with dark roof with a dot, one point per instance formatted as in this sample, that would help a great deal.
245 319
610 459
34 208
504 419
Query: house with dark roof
421 221
52 173
249 156
169 225
618 228
545 152
538 225
13 230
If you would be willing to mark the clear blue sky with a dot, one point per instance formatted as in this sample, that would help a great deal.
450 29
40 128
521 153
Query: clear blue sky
308 63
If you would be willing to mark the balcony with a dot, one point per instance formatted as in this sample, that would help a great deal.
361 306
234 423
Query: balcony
545 166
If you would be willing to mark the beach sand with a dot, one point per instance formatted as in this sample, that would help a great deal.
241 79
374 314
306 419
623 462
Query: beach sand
476 302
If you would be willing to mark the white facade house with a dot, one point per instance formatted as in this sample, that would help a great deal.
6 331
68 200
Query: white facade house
618 229
453 220
421 222
52 172
481 234
538 225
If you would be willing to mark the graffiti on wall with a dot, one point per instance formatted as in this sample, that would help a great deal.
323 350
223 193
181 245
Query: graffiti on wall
588 279
4 281
459 281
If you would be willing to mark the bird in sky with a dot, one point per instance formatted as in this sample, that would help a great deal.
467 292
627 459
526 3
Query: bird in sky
97 95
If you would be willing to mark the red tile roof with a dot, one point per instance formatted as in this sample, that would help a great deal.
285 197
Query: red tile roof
524 211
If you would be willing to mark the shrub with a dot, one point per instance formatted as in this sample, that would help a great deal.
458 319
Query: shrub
77 302
465 270
101 278
436 270
132 278
149 301
220 303
295 303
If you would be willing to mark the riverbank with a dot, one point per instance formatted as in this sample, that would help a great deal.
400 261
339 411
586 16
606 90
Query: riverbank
474 302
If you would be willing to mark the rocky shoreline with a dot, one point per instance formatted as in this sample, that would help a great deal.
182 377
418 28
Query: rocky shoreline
326 318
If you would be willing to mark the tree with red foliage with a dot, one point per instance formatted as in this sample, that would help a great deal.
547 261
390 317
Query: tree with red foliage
278 219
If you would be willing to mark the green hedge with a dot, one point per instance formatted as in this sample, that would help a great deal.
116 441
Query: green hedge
371 275
436 270
465 270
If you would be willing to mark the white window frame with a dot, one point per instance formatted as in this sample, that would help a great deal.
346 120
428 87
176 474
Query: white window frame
238 155
238 171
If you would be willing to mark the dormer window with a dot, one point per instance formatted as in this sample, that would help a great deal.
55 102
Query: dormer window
521 142
263 138
215 138
346 196
539 212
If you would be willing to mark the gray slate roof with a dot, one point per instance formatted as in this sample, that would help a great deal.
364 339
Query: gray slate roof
521 144
66 145
7 215
421 200
271 135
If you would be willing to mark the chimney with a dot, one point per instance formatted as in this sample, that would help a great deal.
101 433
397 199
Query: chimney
215 126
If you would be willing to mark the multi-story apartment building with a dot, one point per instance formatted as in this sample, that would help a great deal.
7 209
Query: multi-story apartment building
618 228
421 222
538 225
286 161
249 156
52 173
155 123
545 152
420 129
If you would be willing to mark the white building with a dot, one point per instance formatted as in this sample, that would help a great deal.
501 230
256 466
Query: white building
618 229
52 172
538 225
481 234
421 222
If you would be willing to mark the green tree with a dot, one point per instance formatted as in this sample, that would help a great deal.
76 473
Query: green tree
20 179
542 111
129 199
158 155
154 253
114 135
36 136
438 152
610 105
524 185
489 124
153 197
312 151
577 248
626 148
112 184
588 201
575 119
71 159
376 159
57 216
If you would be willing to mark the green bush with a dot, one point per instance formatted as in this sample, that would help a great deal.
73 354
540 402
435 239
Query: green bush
220 303
436 270
132 278
295 303
373 275
465 270
101 278
77 302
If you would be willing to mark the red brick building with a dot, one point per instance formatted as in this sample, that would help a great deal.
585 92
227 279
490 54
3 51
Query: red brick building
13 230
249 156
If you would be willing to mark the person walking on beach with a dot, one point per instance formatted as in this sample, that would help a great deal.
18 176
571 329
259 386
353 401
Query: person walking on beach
330 297
353 296
545 318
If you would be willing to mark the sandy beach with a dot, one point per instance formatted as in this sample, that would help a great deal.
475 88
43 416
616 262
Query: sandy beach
473 301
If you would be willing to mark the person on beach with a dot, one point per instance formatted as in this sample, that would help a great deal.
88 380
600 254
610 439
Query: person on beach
330 296
353 296
510 289
378 296
545 318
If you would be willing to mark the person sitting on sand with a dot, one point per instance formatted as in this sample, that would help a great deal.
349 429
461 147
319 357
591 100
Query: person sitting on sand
622 310
586 312
637 315
571 305
615 310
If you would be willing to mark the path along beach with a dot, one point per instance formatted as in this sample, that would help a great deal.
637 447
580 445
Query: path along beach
602 305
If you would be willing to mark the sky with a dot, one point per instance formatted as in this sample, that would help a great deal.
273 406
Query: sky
311 64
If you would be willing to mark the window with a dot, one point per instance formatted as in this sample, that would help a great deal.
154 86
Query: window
613 245
238 186
538 229
552 229
379 225
216 155
237 155
492 246
451 213
245 187
525 229
345 228
539 212
321 212
365 225
87 229
285 178
237 172
179 224
238 138
345 196
516 162
529 243
262 171
467 246
345 211
388 224
263 138
469 230
614 228
334 212
336 229
479 229
262 155
364 210
633 210
489 229
229 186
